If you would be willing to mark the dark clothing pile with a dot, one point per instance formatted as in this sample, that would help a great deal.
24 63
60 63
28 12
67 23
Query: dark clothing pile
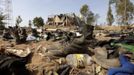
79 45
35 33
7 34
12 65
20 35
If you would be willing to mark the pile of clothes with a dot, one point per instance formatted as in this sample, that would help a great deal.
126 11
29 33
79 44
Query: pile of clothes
12 65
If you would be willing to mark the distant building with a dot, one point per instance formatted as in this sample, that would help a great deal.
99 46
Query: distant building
61 20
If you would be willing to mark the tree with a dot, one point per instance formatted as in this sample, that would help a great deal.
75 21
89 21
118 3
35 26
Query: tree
30 23
96 17
90 18
84 11
2 18
18 20
87 14
124 11
110 17
38 21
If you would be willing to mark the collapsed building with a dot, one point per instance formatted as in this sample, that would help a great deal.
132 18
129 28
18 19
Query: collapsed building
61 20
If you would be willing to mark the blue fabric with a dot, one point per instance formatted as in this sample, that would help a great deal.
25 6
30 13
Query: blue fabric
126 68
122 74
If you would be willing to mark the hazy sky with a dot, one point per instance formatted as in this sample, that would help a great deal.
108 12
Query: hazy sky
28 9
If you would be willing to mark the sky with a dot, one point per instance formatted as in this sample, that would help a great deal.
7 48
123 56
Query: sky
28 9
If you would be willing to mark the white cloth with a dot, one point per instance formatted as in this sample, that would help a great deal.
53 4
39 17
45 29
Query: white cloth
31 38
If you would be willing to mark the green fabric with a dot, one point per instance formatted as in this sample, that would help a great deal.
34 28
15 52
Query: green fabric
126 46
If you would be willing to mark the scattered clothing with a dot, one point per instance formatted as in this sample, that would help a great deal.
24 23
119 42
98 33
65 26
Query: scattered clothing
126 46
127 68
64 70
12 65
7 35
31 38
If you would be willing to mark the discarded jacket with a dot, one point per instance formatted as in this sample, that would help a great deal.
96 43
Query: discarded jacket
126 46
12 66
101 59
79 45
64 70
127 68
7 36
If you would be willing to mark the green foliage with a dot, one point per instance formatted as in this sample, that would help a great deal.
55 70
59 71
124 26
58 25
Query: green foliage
124 11
90 18
18 20
110 17
38 21
2 17
87 14
84 10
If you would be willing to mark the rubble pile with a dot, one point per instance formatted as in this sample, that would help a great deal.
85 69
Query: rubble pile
66 53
